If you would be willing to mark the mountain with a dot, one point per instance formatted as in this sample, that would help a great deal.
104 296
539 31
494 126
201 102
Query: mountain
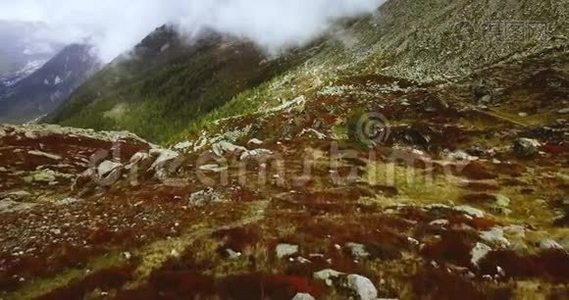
404 38
23 49
167 81
46 88
417 153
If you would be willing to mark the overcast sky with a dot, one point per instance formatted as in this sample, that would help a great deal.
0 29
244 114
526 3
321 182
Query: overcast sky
117 25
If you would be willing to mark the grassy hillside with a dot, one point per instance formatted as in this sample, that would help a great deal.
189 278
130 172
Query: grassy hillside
421 40
183 91
166 83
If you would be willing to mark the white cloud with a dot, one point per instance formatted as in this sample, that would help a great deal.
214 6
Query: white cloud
117 25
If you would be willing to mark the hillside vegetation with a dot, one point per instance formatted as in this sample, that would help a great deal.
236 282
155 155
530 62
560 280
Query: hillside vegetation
168 87
166 82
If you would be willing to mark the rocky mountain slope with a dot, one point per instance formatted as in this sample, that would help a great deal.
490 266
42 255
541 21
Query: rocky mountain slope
458 199
43 90
420 40
167 81
372 170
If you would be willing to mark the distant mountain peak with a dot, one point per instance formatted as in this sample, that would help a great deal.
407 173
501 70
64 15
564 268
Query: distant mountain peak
43 89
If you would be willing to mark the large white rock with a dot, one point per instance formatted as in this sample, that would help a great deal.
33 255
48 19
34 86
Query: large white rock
303 296
548 244
225 147
479 252
106 167
495 236
256 154
167 162
284 250
255 142
137 158
470 210
362 287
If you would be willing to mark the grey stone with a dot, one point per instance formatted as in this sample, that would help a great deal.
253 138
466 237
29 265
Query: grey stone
327 275
106 167
284 250
303 296
362 287
526 147
358 251
233 255
479 252
548 244
167 162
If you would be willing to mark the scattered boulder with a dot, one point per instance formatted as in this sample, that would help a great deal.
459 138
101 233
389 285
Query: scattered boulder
470 211
502 201
495 236
108 173
358 251
460 155
256 154
106 167
137 166
502 204
284 250
255 142
563 111
479 252
327 275
225 147
525 147
313 133
167 162
233 255
67 201
138 160
205 197
362 287
549 244
303 296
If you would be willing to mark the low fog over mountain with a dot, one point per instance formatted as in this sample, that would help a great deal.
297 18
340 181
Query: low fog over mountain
116 25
